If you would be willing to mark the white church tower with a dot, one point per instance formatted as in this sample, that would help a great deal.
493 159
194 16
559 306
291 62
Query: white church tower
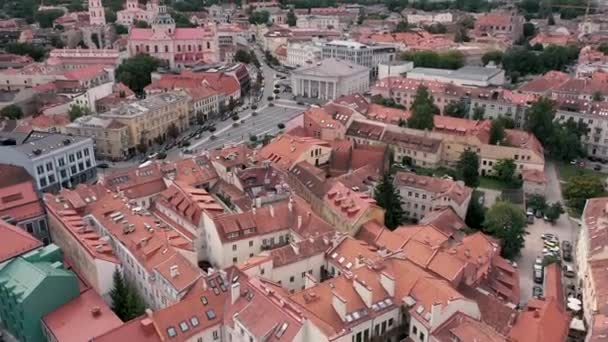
97 16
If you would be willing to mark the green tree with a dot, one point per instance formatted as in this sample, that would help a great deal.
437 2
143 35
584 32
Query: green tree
77 111
12 112
468 168
565 143
497 132
504 170
259 17
475 212
478 113
436 28
180 19
25 49
402 26
75 6
554 211
581 187
423 110
457 109
291 18
242 56
529 30
536 202
492 56
119 295
135 304
173 131
389 198
522 61
557 57
603 48
540 117
46 17
506 222
461 35
120 29
135 72
110 16
452 59
140 24
597 96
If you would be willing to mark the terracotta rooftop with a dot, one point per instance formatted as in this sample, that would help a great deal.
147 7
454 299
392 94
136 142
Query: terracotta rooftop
297 251
81 319
284 151
136 182
20 202
347 203
535 176
387 114
541 320
595 217
545 83
196 171
13 174
365 130
446 220
232 156
466 329
14 241
354 101
410 141
190 202
494 311
440 187
137 329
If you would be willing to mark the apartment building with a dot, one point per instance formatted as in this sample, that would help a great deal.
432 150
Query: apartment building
155 259
89 254
365 55
111 137
300 53
150 118
500 24
593 115
21 204
423 194
319 22
55 161
285 151
591 262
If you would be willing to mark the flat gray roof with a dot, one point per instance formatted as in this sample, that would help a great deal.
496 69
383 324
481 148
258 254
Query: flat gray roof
35 144
331 67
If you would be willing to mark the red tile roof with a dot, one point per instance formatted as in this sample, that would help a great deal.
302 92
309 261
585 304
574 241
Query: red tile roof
13 174
297 251
284 151
136 182
441 187
349 204
137 329
446 220
542 320
466 329
189 202
81 319
14 241
20 202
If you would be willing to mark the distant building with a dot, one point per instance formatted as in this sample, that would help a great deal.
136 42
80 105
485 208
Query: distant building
33 285
55 161
135 12
500 25
20 203
111 137
366 55
301 53
97 15
177 47
394 68
330 79
465 76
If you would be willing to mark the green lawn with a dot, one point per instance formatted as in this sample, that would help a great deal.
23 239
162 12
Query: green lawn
567 171
493 184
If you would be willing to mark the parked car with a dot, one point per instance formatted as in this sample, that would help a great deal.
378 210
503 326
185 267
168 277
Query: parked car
569 271
537 291
550 243
538 264
548 236
530 212
538 276
530 219
103 165
597 167
567 250
300 103
538 214
161 155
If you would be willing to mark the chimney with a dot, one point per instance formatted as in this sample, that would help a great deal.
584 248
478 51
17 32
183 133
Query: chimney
96 311
174 271
339 305
290 204
299 222
235 292
364 292
296 247
388 283
271 211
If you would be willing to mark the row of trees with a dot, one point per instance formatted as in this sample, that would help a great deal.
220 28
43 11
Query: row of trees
430 59
522 60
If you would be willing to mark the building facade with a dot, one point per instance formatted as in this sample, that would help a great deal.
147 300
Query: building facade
55 161
111 137
361 54
330 79
177 47
303 53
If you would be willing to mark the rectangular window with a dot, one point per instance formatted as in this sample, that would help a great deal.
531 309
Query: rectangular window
51 179
40 169
74 171
234 247
88 163
215 335
86 152
71 158
29 227
251 243
61 161
42 225
63 173
390 322
42 182
235 260
49 166
383 327
79 155
80 166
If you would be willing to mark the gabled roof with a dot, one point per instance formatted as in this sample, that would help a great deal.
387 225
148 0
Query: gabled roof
542 320
14 241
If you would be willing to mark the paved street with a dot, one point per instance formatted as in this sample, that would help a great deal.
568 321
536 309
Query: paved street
564 228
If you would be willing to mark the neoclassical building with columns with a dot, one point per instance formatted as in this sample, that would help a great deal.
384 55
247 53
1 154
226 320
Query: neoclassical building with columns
329 79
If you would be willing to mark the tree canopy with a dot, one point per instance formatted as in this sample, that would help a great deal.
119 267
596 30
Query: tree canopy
468 168
77 111
457 109
540 117
429 59
12 112
504 171
492 56
242 56
291 18
475 212
25 49
581 187
423 110
506 222
259 17
46 17
135 72
389 198
497 132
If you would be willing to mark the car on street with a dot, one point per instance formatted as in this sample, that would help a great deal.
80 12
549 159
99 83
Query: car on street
597 167
538 276
538 214
567 250
161 155
548 236
569 271
197 136
538 264
537 291
550 243
530 212
103 165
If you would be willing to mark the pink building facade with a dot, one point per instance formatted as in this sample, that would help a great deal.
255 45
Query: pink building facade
178 47
97 14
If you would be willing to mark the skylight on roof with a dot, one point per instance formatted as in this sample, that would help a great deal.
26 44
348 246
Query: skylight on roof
204 300
420 309
194 321
171 332
211 314
184 326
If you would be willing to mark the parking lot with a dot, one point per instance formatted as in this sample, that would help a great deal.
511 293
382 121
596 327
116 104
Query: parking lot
563 228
